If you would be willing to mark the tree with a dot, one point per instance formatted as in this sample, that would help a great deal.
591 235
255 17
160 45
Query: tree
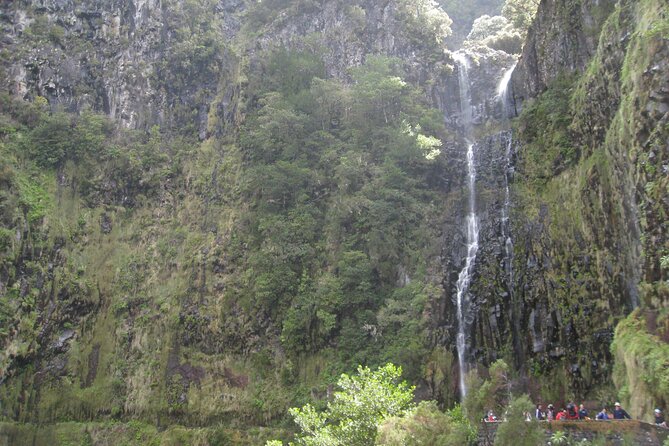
517 431
464 13
428 18
496 32
428 425
491 394
50 142
520 13
487 26
378 90
353 415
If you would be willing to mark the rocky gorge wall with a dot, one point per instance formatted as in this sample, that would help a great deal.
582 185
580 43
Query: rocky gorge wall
588 192
130 60
147 301
126 279
593 148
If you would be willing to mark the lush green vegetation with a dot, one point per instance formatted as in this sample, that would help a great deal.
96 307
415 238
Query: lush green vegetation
576 140
355 411
338 179
505 32
517 431
135 433
544 128
214 271
641 371
426 424
311 225
464 14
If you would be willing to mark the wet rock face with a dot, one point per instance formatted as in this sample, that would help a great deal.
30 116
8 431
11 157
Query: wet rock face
112 58
582 259
67 67
485 73
140 61
562 39
577 243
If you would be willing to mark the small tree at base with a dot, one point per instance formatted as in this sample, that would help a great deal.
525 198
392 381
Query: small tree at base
516 431
363 402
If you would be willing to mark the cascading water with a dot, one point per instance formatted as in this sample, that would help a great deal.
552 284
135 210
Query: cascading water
503 98
514 305
466 113
506 229
464 278
503 89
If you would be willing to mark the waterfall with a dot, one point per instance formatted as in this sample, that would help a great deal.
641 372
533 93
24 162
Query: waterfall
464 278
514 305
503 98
503 88
466 113
506 226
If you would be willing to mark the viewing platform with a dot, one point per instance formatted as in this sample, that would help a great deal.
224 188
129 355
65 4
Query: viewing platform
616 432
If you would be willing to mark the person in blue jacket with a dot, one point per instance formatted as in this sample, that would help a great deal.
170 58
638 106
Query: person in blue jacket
602 415
582 413
619 413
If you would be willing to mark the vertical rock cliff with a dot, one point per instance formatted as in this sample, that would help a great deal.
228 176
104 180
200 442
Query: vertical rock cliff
593 145
210 209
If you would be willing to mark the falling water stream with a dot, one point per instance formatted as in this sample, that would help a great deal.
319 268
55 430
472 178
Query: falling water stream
463 297
503 98
503 89
464 278
507 112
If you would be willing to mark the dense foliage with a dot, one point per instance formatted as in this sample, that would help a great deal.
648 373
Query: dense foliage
104 167
295 212
355 411
505 32
338 179
426 425
315 219
465 13
517 430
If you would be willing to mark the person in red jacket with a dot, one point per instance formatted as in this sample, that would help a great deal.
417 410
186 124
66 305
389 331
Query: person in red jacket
562 415
572 413
491 417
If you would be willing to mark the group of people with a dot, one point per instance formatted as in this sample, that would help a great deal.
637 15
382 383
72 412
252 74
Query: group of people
570 413
581 413
618 413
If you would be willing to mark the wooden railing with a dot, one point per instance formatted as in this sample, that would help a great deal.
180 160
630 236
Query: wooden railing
616 432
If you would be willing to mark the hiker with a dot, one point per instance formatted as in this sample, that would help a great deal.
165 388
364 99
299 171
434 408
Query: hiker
539 414
659 418
550 413
491 417
619 413
582 413
562 415
572 413
603 415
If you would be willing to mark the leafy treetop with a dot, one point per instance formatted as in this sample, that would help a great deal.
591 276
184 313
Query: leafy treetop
363 402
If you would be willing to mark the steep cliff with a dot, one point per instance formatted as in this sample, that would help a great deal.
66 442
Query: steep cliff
263 223
562 39
141 62
588 208
280 194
